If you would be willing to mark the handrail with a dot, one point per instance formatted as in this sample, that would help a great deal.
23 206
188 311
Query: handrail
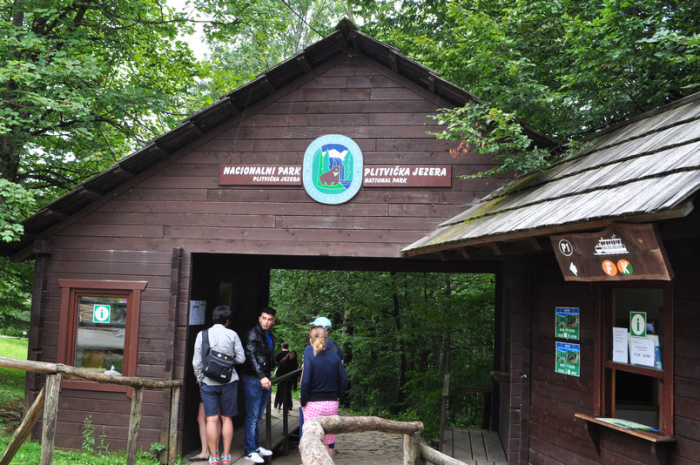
314 453
285 413
89 375
47 401
286 376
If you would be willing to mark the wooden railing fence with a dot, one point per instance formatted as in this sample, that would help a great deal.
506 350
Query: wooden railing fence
415 451
47 401
285 416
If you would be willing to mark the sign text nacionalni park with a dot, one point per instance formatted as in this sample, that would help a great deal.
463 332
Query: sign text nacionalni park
373 176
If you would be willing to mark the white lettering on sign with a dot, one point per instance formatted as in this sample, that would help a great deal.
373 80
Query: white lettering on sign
251 170
249 175
407 176
390 171
425 171
263 170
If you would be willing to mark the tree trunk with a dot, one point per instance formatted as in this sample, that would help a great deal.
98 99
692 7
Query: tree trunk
396 315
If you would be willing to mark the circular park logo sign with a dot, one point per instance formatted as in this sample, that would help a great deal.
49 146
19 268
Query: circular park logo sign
332 171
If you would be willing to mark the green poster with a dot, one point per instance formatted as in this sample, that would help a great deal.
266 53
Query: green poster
567 323
568 359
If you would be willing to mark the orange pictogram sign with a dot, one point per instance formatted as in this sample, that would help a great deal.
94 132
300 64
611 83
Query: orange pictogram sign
609 268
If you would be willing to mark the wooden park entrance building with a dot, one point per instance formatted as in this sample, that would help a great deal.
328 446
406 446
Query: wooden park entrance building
203 212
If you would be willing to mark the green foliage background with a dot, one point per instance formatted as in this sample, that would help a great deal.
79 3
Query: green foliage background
401 333
82 84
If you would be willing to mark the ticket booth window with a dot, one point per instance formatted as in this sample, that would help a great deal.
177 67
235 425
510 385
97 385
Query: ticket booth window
637 370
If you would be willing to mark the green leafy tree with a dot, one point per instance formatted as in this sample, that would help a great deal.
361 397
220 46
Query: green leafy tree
248 37
569 68
83 84
400 332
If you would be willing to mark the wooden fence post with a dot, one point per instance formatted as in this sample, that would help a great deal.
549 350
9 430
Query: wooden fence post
134 423
411 449
174 411
53 387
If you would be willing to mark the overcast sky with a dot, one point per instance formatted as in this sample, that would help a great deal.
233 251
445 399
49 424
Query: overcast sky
195 41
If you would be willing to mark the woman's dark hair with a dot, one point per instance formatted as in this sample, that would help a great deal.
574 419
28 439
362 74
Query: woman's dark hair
289 357
221 315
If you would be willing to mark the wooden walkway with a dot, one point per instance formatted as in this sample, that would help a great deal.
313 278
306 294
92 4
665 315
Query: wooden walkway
474 446
237 450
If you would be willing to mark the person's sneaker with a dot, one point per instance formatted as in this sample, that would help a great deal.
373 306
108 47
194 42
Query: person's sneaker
226 460
264 452
254 457
213 460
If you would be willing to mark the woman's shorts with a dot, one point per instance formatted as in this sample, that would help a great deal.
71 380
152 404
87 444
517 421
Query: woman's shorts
325 408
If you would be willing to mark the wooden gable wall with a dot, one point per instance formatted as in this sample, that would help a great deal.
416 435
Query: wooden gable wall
136 233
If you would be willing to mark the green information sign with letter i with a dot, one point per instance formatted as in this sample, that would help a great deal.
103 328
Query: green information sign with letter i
638 324
101 313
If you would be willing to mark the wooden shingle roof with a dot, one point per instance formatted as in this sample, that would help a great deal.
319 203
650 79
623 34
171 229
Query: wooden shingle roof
647 169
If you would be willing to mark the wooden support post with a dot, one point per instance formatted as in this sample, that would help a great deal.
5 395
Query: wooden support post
443 414
172 437
53 386
411 449
268 424
22 432
134 423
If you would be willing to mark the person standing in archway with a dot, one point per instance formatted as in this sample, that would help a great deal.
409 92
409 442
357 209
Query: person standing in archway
219 399
323 382
260 361
327 326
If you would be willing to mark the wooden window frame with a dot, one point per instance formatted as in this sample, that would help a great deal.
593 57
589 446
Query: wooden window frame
604 366
71 291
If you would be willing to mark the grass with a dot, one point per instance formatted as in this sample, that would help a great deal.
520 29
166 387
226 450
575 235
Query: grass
11 407
12 382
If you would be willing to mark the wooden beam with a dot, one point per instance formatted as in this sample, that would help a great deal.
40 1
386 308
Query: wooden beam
496 249
171 335
301 60
267 85
535 243
54 214
159 150
464 252
43 247
431 83
193 126
354 38
123 173
90 194
392 61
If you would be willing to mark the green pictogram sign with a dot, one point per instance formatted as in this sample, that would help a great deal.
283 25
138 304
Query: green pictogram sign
568 359
638 324
101 313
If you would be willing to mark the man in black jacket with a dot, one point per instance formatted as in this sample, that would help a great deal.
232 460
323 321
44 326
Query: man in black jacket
256 373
